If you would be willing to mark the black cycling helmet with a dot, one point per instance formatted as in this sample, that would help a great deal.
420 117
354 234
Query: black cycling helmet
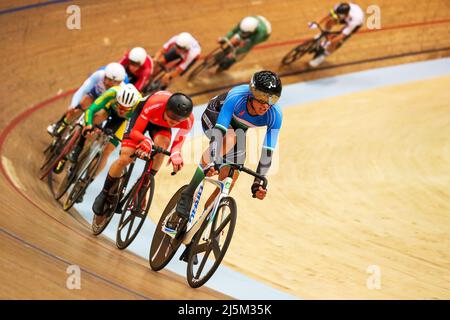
179 106
343 8
266 87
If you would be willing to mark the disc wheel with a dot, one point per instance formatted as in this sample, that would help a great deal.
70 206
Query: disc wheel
211 242
163 246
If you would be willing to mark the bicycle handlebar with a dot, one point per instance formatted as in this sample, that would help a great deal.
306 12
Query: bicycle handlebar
324 32
227 42
155 150
241 167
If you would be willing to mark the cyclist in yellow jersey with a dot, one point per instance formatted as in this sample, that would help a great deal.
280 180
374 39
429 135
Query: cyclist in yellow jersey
116 105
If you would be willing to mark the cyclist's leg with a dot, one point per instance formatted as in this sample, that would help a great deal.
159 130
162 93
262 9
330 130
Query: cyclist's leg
99 117
76 112
112 179
118 126
209 119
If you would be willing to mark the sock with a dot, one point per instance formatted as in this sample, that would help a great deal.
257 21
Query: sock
198 177
109 183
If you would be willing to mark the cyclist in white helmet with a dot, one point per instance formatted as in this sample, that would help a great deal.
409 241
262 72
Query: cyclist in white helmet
249 32
104 78
177 55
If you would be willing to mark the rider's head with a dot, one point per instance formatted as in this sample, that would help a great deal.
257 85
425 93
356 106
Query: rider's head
114 75
178 108
265 88
136 57
183 41
340 11
248 26
127 97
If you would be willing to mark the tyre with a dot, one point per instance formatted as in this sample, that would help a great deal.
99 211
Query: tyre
109 207
209 62
211 237
136 207
85 179
297 53
60 152
164 247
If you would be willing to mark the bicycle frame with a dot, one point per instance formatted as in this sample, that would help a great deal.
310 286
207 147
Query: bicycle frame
195 221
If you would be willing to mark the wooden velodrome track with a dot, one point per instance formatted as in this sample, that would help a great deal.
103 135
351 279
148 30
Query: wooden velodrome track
360 184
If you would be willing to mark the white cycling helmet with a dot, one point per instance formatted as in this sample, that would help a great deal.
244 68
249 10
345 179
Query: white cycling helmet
138 55
128 95
184 40
115 71
249 24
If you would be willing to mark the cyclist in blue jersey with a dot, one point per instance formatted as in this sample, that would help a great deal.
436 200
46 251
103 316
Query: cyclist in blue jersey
225 121
93 87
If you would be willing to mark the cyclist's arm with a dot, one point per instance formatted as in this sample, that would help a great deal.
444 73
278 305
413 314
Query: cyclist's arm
124 60
85 88
260 36
137 132
143 78
99 104
232 32
185 128
270 142
184 64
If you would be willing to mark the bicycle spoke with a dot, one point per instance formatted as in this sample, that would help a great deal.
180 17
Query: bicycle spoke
216 248
201 248
202 265
125 222
129 229
222 226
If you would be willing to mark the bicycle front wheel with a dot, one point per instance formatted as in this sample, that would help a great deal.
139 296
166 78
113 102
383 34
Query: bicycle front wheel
213 236
79 187
163 246
135 211
297 53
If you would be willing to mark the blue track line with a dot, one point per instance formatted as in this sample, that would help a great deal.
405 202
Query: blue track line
32 6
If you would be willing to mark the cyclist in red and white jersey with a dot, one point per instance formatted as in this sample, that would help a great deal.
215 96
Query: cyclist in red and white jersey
178 55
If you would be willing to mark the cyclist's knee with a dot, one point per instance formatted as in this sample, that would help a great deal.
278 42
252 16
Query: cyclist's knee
162 141
124 160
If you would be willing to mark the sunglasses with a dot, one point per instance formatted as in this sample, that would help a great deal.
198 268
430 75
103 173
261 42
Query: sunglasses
134 63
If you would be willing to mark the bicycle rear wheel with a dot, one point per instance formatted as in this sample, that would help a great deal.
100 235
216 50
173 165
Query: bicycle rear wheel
79 187
213 236
209 62
163 246
136 207
297 53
